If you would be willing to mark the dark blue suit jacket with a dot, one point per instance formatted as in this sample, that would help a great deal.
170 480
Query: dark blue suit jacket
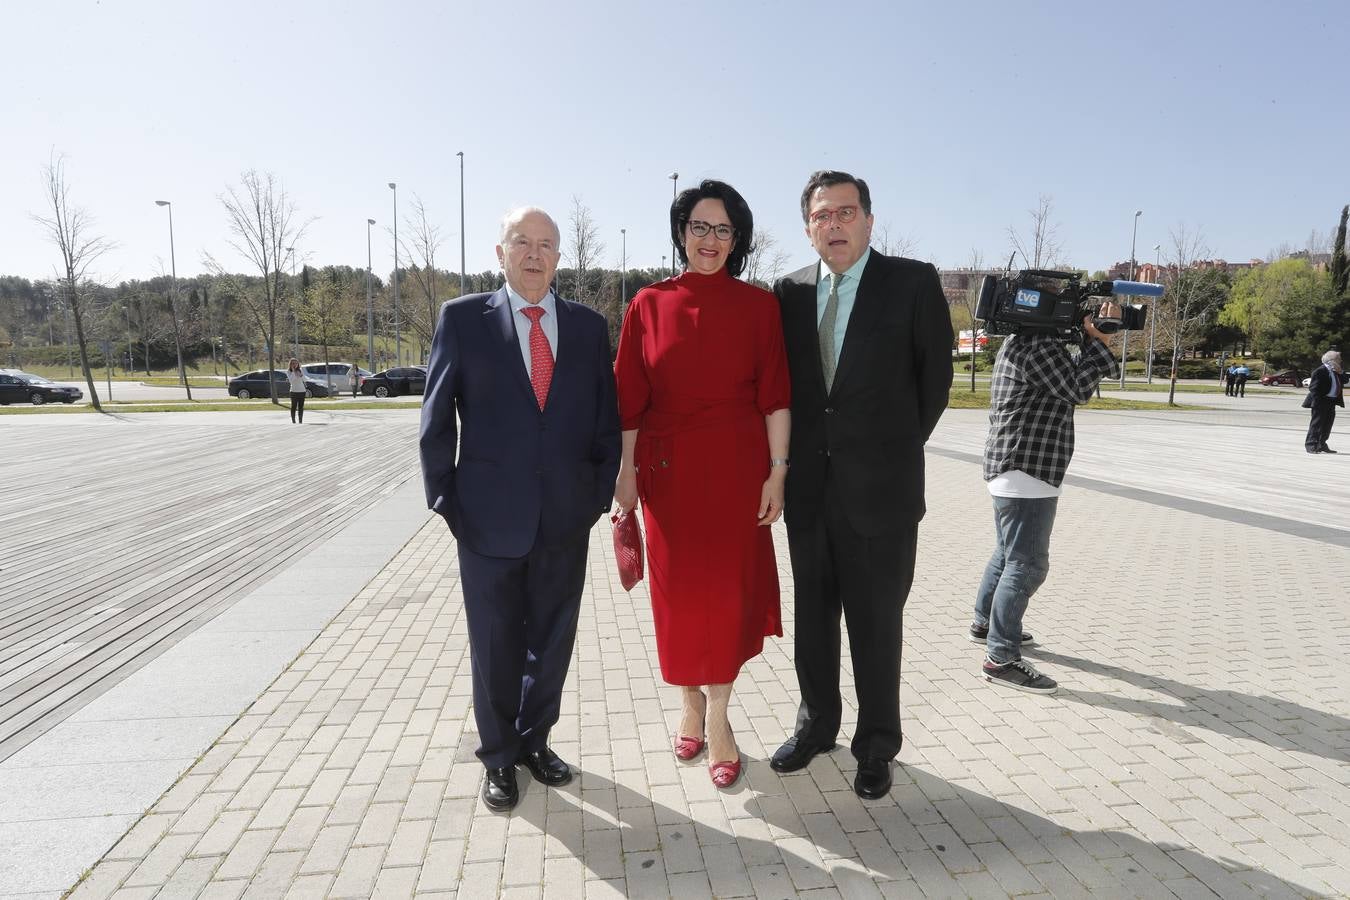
518 473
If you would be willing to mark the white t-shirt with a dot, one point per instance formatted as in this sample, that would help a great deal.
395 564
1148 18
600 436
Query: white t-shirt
1018 484
297 381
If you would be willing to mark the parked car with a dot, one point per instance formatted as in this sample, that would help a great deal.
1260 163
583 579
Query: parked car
332 375
1291 377
396 381
254 384
25 387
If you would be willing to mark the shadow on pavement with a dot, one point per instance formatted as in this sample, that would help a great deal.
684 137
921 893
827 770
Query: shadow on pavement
926 830
1270 720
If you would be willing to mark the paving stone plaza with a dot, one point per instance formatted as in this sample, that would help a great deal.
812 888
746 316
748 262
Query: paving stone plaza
318 737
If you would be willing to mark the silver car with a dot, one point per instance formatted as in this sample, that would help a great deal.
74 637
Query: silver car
334 375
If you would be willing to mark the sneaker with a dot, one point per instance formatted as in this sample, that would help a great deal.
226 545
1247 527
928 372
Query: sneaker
1018 674
980 633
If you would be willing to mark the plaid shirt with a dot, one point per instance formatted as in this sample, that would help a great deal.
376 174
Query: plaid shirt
1036 385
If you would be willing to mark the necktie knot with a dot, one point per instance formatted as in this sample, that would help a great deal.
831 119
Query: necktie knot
534 313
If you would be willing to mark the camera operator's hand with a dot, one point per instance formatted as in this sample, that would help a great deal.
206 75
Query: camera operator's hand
1108 310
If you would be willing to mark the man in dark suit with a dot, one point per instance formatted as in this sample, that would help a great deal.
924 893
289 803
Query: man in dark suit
869 342
520 478
1326 391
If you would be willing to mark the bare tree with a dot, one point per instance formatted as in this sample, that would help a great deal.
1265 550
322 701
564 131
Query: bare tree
68 227
583 244
326 308
1041 248
892 245
969 298
425 240
1191 295
261 222
766 259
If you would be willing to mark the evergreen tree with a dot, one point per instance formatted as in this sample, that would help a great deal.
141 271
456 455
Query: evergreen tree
1340 269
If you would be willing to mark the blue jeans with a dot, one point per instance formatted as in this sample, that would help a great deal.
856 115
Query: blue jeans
1018 567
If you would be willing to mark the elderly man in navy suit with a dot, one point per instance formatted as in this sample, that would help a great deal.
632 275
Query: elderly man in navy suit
520 448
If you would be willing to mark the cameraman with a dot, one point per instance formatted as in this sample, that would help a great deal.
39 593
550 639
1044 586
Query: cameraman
1036 385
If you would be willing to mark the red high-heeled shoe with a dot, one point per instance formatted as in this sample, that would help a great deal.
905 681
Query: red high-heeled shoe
686 748
725 774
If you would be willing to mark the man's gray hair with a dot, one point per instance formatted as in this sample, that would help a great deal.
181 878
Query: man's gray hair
1331 356
512 219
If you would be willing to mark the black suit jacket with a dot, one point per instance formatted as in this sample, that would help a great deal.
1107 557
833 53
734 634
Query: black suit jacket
1320 384
501 471
890 387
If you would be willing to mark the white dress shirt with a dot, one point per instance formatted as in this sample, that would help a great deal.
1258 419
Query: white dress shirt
548 321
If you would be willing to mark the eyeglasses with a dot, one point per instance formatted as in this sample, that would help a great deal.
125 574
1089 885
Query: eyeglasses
844 214
701 229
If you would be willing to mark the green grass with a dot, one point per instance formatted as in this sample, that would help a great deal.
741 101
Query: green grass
123 406
964 398
165 381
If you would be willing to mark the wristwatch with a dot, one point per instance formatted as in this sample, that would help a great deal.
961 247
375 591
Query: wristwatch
778 461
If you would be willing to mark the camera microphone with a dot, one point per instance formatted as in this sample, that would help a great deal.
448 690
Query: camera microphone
1122 288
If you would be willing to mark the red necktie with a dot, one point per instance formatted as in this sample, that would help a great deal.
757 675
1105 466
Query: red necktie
541 355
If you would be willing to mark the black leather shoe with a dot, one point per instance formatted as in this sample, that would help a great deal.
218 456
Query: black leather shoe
1326 449
874 778
796 753
500 791
547 768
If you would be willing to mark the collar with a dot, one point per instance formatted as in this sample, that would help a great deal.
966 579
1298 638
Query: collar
549 303
853 272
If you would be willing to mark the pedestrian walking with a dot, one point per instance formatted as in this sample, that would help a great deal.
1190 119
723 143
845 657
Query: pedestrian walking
1242 373
297 386
1326 391
354 379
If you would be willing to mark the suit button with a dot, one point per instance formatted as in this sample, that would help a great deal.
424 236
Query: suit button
828 410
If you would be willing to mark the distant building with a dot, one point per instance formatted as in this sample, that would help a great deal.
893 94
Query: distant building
957 283
1147 271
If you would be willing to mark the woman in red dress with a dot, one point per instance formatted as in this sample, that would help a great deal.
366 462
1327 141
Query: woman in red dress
703 394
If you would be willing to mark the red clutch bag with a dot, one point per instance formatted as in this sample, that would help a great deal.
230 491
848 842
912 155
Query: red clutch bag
627 548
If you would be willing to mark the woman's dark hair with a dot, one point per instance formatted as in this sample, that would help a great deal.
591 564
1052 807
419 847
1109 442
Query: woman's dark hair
828 178
738 211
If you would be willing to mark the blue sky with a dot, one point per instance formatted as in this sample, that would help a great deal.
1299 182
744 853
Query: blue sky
1228 117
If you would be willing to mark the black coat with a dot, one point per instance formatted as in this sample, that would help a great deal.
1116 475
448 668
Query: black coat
890 387
1320 384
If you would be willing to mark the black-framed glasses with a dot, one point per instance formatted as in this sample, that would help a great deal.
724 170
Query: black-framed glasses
701 229
844 214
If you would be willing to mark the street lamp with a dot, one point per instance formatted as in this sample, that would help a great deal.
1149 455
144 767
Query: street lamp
173 301
674 186
370 314
623 272
663 263
398 334
1153 313
463 279
295 310
1125 335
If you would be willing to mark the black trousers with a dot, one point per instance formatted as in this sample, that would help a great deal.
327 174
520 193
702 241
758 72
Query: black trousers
1241 389
297 405
522 616
1319 427
836 570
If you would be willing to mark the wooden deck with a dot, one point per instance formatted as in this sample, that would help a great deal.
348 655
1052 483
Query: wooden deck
120 536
